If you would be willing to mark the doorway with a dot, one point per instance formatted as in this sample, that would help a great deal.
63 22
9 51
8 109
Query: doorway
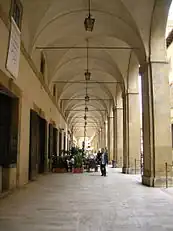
38 145
9 119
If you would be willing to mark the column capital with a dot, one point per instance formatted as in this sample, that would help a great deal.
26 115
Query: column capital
132 93
145 65
110 117
127 93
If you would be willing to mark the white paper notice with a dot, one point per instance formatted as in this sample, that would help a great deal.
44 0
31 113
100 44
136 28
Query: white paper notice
13 58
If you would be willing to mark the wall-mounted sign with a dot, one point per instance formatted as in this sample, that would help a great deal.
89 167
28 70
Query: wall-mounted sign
13 56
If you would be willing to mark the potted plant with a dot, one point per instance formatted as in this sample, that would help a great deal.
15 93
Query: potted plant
78 163
58 164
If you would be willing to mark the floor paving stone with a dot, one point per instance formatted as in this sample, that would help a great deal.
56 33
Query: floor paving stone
87 202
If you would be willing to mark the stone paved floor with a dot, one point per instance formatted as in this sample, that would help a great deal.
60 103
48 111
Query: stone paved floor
87 202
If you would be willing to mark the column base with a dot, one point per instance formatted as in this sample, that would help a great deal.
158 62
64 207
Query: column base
158 182
131 171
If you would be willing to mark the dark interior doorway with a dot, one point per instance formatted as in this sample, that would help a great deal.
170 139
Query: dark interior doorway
9 119
38 145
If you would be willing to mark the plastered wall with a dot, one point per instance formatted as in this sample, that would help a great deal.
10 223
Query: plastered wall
32 93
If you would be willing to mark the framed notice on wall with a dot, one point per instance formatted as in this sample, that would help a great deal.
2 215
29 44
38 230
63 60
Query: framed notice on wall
13 55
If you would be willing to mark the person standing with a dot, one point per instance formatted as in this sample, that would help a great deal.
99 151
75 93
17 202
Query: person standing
104 161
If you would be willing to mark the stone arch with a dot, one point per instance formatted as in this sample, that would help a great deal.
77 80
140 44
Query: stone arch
158 30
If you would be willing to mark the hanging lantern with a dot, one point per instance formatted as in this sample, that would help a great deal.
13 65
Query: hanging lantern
87 75
89 23
87 98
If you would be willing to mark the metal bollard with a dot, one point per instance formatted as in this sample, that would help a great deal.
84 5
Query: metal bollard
166 169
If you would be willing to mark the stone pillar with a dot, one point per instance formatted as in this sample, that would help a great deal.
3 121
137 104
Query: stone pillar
106 133
102 137
115 135
23 155
131 119
99 139
119 121
111 119
131 157
110 137
156 123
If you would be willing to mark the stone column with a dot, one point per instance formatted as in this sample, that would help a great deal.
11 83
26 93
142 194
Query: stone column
115 156
110 136
106 133
131 127
156 123
99 139
119 121
131 118
102 137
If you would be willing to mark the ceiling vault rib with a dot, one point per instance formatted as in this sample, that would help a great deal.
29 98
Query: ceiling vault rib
88 123
83 126
83 47
90 82
81 117
88 110
84 99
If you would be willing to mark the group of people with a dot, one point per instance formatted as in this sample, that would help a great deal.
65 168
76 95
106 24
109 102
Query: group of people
102 159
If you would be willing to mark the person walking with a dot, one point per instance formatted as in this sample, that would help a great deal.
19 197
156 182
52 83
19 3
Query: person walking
104 161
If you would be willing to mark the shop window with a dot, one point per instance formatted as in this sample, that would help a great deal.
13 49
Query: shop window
17 12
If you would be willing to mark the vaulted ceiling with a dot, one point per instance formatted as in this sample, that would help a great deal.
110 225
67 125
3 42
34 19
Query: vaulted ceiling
60 23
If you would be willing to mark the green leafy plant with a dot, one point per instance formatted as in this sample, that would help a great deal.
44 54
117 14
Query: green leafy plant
78 160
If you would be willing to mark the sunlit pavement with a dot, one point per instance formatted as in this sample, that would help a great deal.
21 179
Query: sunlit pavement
87 202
